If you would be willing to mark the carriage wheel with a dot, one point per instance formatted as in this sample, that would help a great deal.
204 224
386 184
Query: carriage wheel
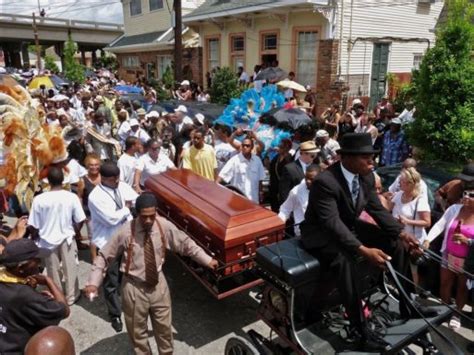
240 346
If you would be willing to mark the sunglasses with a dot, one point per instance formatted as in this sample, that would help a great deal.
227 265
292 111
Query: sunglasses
246 145
468 194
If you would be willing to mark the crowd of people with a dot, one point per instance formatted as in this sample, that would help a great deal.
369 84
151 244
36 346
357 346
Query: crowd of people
114 145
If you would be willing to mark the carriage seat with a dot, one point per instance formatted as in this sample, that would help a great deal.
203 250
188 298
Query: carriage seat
289 262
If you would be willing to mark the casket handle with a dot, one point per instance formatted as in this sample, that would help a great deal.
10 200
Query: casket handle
185 223
262 240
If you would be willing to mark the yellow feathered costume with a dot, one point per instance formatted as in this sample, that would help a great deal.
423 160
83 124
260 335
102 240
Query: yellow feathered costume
29 144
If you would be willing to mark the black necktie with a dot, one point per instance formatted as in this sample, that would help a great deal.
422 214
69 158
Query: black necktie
118 199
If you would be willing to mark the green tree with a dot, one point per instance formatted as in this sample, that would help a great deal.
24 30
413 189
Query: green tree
50 64
72 69
444 90
225 86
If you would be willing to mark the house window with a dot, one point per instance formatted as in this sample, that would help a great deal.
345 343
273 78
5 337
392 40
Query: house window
237 54
306 56
131 62
155 4
213 53
163 62
238 43
417 57
269 42
135 7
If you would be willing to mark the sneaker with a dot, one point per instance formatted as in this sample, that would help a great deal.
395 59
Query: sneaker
454 323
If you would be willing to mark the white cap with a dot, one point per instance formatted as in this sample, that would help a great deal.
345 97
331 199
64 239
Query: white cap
152 114
308 87
181 108
61 112
356 102
396 120
200 117
134 122
322 133
185 82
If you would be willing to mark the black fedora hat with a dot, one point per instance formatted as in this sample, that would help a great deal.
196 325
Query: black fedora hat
467 174
357 143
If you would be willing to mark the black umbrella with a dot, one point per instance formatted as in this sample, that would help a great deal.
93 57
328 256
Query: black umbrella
295 117
271 74
210 111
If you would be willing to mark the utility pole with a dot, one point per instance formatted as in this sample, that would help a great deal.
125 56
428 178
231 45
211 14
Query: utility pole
178 42
38 49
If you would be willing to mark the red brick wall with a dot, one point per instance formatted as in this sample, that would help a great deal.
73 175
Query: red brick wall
192 62
327 89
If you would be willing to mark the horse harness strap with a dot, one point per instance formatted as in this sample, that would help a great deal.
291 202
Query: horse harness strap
132 240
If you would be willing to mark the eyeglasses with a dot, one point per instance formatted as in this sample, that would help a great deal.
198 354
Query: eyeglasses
468 194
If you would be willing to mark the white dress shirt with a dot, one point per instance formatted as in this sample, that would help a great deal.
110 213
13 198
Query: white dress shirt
296 203
304 165
106 216
53 214
148 166
127 164
349 177
244 174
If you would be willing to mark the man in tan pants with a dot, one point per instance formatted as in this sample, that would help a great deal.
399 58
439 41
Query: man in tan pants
144 289
52 218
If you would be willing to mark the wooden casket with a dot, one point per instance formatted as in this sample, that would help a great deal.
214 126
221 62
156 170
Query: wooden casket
227 225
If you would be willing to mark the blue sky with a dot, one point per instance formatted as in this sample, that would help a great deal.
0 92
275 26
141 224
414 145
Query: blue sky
90 10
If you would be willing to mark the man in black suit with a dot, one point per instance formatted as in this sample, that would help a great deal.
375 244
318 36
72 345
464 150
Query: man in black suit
295 171
330 229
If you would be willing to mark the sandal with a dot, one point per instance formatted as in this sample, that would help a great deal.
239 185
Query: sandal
454 323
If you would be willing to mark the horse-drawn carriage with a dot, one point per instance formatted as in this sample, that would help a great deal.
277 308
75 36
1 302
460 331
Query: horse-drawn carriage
300 301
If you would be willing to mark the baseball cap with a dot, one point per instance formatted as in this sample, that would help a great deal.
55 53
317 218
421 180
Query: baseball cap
396 120
153 114
181 108
322 133
141 111
19 250
134 122
199 117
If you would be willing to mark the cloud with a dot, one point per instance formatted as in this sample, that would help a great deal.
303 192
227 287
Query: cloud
89 10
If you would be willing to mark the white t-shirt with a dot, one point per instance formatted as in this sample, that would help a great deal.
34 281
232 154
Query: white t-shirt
127 164
407 210
76 172
244 174
141 134
150 167
123 132
53 214
224 151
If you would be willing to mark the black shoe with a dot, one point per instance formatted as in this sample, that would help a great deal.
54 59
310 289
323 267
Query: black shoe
117 324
